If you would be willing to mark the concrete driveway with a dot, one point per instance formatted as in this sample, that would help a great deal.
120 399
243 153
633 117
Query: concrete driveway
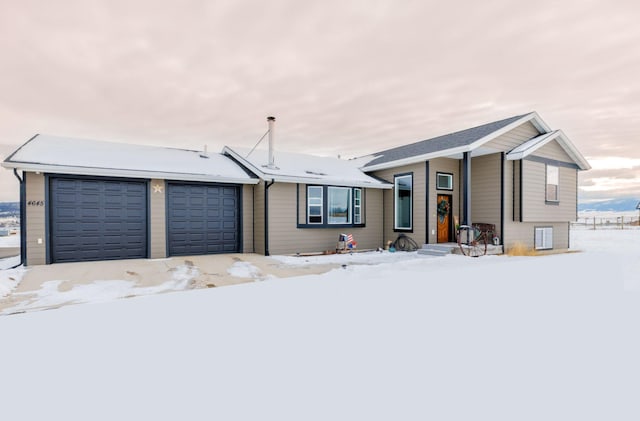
9 252
194 272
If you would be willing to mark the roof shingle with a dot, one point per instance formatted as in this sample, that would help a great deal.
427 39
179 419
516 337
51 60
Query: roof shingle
440 143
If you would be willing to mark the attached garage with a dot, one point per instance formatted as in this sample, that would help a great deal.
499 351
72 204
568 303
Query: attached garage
97 219
89 200
203 218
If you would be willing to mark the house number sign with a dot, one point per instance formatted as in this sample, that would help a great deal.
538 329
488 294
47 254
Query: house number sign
35 203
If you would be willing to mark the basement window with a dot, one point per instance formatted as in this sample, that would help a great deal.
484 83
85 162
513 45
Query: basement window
544 238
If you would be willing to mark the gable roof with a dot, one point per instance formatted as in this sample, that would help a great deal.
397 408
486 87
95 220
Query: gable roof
536 143
55 154
441 143
469 140
303 168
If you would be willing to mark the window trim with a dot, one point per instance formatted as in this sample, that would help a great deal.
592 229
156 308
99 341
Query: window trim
545 238
325 210
549 201
308 216
395 204
357 206
450 175
349 205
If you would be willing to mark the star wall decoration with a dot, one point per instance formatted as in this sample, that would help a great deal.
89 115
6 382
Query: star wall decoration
157 188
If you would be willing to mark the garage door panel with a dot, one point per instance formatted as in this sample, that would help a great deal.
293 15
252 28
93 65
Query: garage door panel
97 219
197 217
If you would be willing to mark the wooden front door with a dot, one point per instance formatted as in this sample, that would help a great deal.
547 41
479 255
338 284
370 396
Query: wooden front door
443 212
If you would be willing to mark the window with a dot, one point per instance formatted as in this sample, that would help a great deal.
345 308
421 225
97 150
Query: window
332 206
553 175
403 201
357 206
339 205
444 181
314 204
544 238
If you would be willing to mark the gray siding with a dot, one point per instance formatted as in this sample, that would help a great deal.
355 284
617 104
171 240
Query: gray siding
535 207
157 219
419 202
523 232
513 138
286 238
35 223
553 150
247 218
485 190
258 218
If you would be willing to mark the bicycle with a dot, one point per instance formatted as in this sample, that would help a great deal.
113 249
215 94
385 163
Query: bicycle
473 241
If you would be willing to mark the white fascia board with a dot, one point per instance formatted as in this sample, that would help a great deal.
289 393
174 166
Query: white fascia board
415 159
245 162
573 152
329 182
447 152
108 172
539 123
533 117
564 143
531 146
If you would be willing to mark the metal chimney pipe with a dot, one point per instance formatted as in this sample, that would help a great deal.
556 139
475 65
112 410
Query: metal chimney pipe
271 121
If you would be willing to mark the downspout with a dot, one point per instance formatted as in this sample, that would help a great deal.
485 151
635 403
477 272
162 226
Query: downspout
23 221
266 215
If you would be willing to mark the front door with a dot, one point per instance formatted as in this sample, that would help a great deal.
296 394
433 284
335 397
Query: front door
443 211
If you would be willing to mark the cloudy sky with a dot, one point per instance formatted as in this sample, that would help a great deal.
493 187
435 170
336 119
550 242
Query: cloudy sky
342 77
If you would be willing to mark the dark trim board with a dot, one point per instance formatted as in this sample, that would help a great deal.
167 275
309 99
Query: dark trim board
426 203
502 199
551 162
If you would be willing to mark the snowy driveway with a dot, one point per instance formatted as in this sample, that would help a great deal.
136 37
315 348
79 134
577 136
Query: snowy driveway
52 286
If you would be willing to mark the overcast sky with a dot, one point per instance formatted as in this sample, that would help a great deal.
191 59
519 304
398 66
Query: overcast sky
342 77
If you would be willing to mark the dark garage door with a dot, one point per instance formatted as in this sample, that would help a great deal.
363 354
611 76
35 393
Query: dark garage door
97 219
203 219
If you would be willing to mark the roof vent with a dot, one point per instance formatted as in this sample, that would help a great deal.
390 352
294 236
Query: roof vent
205 154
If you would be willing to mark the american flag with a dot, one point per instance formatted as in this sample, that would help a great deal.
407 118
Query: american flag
349 238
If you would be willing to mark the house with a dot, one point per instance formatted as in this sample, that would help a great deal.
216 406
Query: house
90 200
516 174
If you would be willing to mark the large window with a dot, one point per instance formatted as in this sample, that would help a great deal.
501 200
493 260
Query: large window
553 176
403 202
314 204
333 206
339 205
544 238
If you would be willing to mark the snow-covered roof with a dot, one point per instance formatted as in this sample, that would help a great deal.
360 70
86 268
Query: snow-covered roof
303 168
55 154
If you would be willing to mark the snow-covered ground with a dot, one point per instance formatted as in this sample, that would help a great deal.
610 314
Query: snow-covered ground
452 338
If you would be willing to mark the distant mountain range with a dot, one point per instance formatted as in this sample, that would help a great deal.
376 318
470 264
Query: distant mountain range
9 209
614 205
